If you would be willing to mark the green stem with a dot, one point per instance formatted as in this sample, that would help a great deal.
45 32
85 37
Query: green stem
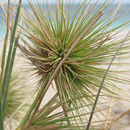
1 113
8 68
10 72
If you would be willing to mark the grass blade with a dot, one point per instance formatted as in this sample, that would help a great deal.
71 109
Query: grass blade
5 42
101 85
8 68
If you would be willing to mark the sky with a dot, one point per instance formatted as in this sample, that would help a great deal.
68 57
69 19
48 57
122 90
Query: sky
51 1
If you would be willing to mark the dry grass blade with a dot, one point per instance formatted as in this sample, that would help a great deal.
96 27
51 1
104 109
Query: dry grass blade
3 65
100 88
3 9
122 115
5 42
108 113
13 17
28 53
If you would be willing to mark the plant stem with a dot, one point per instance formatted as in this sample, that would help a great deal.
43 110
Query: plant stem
2 68
1 113
41 94
9 65
101 85
10 59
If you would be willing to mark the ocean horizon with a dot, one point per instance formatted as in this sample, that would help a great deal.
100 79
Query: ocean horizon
123 11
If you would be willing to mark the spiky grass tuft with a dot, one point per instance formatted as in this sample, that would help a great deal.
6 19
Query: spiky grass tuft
48 34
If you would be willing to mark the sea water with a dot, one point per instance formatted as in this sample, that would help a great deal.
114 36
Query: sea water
124 10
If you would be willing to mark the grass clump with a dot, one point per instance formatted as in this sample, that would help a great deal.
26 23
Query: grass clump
59 48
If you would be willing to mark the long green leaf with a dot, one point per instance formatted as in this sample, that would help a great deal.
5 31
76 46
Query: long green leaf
8 68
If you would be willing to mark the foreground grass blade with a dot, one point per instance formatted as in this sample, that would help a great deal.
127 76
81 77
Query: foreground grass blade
5 42
1 113
8 68
105 75
3 65
9 75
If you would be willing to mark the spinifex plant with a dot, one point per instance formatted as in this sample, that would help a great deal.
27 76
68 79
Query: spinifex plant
69 47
